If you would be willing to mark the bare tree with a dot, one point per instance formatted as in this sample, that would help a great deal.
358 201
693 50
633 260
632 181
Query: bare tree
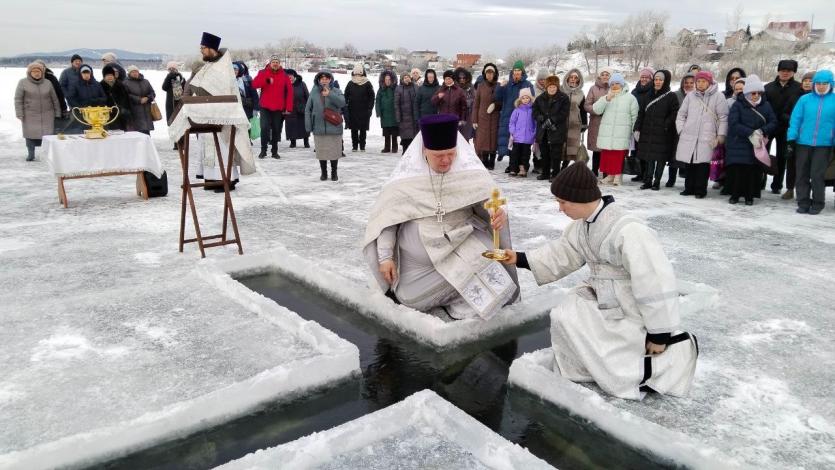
639 35
527 55
583 43
735 18
553 54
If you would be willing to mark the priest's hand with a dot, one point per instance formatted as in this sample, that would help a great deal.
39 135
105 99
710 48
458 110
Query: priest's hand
511 257
654 349
498 219
389 271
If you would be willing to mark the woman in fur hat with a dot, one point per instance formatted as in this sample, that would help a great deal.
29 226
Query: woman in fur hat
359 99
37 107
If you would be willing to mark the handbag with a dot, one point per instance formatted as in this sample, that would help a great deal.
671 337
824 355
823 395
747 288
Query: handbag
156 115
717 163
254 128
582 151
331 116
631 166
758 141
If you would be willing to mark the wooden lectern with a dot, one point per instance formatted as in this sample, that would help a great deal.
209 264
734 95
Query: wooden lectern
188 196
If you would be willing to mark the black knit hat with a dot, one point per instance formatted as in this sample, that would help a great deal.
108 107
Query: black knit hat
75 57
576 184
108 69
787 64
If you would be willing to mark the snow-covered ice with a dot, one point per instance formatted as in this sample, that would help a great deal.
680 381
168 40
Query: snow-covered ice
113 341
100 294
422 431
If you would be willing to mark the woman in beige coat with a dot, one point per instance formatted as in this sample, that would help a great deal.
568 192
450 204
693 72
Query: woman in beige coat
599 90
37 107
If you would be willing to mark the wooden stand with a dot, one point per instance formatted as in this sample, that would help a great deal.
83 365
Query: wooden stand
188 196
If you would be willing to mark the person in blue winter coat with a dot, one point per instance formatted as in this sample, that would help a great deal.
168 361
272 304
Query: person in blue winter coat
522 129
811 136
506 95
751 119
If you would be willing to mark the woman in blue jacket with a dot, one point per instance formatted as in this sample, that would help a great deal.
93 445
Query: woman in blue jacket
751 120
810 137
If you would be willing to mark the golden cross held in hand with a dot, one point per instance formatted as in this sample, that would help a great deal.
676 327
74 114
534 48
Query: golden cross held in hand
495 203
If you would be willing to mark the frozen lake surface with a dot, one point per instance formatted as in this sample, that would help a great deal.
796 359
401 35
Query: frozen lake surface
104 322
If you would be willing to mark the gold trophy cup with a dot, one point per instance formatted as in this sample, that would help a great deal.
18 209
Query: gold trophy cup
495 202
97 117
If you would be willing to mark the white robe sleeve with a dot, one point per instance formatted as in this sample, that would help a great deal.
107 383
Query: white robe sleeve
556 259
386 242
653 280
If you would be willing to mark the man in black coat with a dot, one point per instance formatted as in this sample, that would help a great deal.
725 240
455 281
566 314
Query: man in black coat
550 111
782 93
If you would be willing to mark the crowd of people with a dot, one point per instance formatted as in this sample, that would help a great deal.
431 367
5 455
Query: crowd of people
699 131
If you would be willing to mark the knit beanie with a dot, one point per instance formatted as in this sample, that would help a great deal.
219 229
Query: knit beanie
525 92
617 78
275 57
131 68
576 184
109 56
519 65
808 75
647 71
86 68
75 57
752 84
704 74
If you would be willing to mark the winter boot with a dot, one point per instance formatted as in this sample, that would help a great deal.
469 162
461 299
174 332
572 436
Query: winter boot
492 161
618 180
323 165
608 180
387 146
307 143
334 177
263 153
394 144
788 195
293 144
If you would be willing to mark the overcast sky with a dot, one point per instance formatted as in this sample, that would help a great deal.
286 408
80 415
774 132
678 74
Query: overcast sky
480 26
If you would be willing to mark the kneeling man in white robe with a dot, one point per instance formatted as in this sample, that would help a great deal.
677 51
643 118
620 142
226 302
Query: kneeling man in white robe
620 328
428 229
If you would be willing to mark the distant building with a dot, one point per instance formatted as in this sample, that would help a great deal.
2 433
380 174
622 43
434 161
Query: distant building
466 60
735 40
423 56
699 41
817 35
799 29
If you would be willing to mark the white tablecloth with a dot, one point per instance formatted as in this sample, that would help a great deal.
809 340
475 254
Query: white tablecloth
78 156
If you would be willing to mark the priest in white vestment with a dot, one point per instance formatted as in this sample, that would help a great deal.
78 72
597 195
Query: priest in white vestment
216 77
620 328
428 229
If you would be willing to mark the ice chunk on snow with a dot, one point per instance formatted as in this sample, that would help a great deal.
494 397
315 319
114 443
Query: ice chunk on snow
371 303
422 431
534 372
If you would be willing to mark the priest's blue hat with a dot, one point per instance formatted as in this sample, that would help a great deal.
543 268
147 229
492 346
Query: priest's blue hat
439 131
210 40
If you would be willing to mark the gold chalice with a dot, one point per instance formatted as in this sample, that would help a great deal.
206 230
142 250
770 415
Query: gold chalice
495 202
97 117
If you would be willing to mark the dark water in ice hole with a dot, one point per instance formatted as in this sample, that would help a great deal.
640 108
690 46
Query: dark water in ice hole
393 367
